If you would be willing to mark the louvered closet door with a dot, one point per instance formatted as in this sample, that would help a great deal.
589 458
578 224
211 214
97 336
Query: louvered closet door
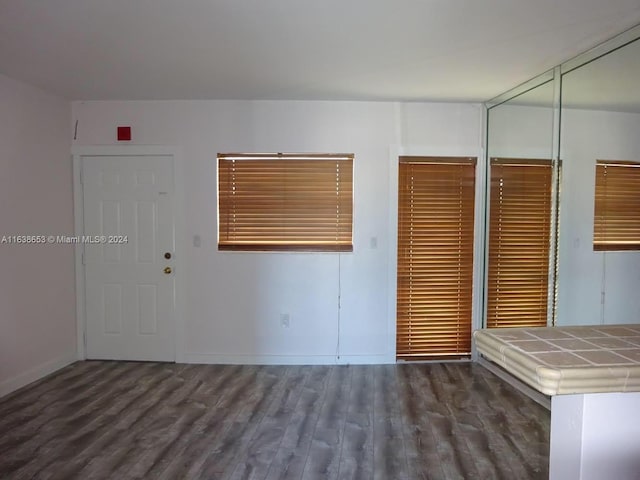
519 242
435 257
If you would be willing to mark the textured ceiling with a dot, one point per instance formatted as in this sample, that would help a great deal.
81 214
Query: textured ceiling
414 50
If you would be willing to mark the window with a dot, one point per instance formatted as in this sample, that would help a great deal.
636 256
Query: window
435 256
616 223
519 242
285 202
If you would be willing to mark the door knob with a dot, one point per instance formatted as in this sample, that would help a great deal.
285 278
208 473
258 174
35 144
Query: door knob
167 270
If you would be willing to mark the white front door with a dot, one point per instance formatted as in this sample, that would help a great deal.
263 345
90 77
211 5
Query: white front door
129 257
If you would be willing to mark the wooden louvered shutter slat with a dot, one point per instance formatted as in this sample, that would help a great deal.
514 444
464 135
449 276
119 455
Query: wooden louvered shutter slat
519 242
616 223
435 256
285 202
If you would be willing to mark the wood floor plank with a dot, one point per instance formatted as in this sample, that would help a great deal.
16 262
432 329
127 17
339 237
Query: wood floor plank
138 420
141 429
88 417
28 412
509 419
291 457
176 419
420 443
215 447
356 459
323 459
389 454
254 460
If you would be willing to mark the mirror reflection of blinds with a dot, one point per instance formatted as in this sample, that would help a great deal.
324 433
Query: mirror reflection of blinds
435 256
285 202
519 242
616 223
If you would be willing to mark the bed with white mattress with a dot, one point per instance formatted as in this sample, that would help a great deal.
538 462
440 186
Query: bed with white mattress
566 360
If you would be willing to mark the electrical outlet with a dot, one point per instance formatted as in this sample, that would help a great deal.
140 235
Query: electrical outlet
284 320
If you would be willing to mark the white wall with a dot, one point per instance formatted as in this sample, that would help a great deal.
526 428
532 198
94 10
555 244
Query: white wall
588 136
595 436
223 325
37 293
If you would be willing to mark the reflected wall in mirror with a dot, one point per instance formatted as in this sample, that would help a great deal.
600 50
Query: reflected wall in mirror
520 264
600 122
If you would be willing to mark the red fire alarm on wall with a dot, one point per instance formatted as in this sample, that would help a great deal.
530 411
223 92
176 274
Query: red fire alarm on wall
124 134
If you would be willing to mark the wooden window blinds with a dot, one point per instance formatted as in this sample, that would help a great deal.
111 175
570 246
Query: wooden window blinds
435 257
519 242
616 223
285 202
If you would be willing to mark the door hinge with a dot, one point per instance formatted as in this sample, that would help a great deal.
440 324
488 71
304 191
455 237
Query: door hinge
82 255
81 175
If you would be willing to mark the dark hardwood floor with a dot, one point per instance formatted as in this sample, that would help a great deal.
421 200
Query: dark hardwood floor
128 420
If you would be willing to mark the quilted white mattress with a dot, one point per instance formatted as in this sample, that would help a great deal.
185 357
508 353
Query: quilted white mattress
565 360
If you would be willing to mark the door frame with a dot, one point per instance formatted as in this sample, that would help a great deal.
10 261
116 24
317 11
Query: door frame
395 152
77 153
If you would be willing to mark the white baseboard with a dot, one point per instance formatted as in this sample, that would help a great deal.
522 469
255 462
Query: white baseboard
366 359
36 373
230 359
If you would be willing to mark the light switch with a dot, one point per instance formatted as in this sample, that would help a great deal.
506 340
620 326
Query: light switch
196 241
